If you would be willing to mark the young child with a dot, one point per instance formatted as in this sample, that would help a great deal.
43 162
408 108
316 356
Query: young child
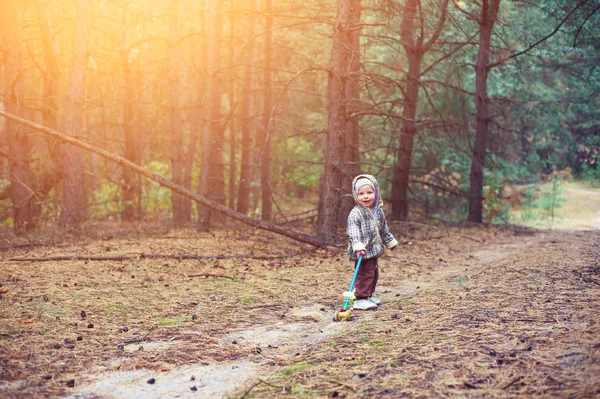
368 234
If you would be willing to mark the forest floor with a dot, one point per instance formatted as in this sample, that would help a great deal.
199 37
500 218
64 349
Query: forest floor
468 311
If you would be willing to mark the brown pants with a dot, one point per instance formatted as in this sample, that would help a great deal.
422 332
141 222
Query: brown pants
366 279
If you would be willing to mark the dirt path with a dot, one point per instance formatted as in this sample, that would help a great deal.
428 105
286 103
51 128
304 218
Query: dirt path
268 344
581 210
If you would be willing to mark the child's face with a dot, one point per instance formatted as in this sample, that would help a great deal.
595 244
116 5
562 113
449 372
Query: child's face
366 196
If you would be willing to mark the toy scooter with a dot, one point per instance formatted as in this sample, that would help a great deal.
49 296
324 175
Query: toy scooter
346 312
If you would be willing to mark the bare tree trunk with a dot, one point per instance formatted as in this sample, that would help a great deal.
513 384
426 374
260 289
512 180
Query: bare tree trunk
211 176
415 47
248 122
409 113
176 117
489 13
351 153
132 189
333 172
265 153
54 172
74 200
21 190
190 156
232 125
197 121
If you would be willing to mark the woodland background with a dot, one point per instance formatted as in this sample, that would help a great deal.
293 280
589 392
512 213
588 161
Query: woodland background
270 107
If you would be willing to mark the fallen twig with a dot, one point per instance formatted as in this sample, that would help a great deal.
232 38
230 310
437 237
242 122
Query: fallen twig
149 256
586 279
134 340
512 382
210 275
533 320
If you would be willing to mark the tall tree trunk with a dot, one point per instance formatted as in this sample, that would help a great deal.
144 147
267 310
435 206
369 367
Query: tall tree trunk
74 199
132 188
409 113
232 124
265 153
212 173
196 118
247 116
53 173
176 118
489 13
21 190
415 47
333 172
351 153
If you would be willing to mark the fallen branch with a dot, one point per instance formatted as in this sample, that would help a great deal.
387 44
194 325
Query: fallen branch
586 279
210 275
533 320
135 340
295 235
147 256
512 382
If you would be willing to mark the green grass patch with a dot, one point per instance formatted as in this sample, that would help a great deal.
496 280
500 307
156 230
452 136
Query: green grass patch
44 307
294 368
460 282
173 322
115 310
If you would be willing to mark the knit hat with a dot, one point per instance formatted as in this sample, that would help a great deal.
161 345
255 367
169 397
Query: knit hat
363 181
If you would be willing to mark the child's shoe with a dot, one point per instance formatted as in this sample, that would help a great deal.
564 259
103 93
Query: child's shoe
364 304
374 300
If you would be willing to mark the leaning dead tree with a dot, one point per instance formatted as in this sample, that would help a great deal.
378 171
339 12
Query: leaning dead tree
305 238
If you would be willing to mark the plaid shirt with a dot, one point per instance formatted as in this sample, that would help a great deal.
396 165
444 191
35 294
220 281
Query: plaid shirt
368 232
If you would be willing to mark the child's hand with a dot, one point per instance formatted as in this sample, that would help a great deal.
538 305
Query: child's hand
360 253
393 248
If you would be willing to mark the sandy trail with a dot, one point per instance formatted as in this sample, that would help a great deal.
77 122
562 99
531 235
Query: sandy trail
266 343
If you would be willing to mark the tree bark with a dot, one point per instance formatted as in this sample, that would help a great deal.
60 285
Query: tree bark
206 202
21 190
132 190
197 121
489 13
53 174
74 198
415 47
265 142
334 166
212 174
178 159
409 112
351 153
231 197
248 122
